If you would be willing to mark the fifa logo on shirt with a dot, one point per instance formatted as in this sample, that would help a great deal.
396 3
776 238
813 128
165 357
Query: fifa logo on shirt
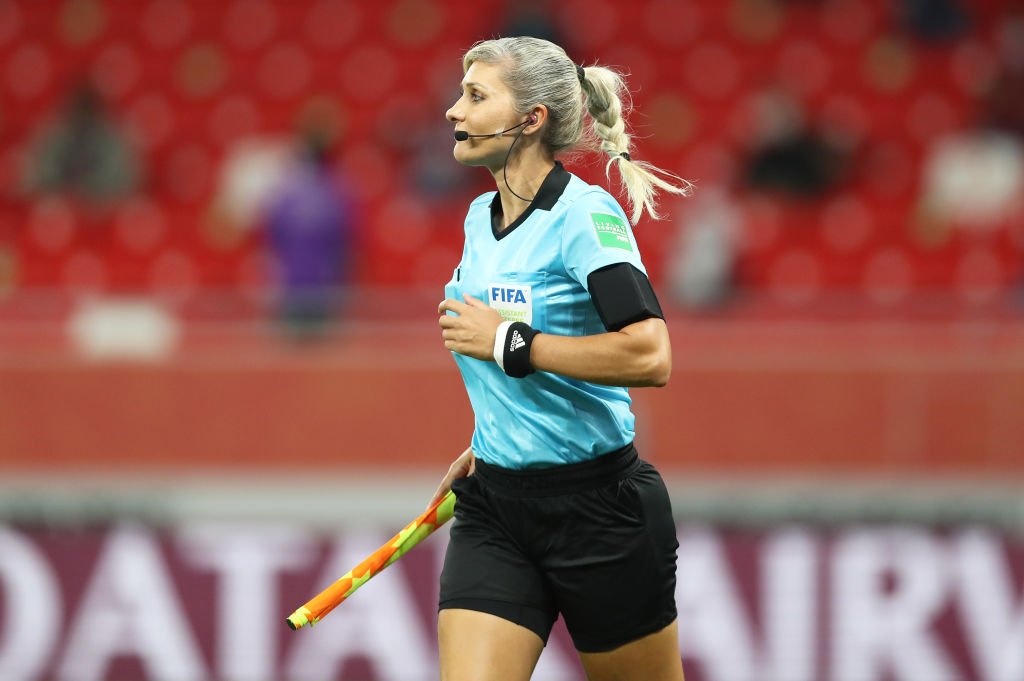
507 295
512 301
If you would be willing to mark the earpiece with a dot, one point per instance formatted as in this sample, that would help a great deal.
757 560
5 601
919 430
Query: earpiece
533 118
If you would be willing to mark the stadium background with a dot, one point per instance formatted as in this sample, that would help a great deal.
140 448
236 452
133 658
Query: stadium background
843 434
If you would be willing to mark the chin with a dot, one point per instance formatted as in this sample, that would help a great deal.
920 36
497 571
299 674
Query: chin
466 156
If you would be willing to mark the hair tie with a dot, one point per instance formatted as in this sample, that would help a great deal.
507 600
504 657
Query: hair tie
580 73
625 155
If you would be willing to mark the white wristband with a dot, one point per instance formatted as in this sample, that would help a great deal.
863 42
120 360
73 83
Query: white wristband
499 343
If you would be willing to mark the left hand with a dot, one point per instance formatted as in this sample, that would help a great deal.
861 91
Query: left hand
464 466
471 333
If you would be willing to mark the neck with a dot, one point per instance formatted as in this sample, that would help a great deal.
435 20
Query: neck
525 173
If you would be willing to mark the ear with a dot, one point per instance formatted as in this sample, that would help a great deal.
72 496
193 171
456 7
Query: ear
537 118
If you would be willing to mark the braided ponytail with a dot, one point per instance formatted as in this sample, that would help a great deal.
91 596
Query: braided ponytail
604 89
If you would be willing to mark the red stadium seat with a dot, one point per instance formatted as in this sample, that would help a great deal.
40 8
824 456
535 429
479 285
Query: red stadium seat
188 80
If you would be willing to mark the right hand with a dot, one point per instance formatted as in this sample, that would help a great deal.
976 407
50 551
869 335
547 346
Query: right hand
462 467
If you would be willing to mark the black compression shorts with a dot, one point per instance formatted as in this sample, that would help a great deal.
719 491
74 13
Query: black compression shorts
594 541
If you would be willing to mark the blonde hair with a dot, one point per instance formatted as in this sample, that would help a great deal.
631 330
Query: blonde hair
539 72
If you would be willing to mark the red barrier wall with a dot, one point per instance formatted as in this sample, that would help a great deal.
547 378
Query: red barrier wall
922 399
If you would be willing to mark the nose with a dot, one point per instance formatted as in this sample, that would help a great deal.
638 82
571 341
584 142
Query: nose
453 114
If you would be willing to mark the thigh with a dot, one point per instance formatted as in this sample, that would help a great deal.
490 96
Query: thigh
654 657
476 646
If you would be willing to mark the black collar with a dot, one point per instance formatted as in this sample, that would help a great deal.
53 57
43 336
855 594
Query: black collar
547 196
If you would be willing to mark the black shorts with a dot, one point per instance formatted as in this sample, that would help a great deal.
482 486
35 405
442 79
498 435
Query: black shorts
594 541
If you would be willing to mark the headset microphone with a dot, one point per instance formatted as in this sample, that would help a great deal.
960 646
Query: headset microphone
462 135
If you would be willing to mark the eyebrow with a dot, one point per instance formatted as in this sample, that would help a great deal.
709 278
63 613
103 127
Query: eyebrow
476 85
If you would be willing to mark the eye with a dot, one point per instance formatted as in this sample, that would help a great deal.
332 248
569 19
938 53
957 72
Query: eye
471 93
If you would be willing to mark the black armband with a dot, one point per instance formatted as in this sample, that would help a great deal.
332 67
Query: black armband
622 295
512 343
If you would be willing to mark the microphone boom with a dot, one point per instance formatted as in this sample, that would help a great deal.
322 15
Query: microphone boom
462 135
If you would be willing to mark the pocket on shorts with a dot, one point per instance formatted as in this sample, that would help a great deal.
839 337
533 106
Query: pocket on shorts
463 488
656 507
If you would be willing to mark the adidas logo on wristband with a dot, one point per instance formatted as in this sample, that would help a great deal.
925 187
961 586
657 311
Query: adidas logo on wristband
512 342
516 342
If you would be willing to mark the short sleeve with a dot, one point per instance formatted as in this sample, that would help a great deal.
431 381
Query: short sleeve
596 234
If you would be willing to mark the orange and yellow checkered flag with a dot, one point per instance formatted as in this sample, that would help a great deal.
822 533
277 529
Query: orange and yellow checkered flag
334 595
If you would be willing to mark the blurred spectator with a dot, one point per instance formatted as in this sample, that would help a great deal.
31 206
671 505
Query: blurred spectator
1004 107
971 179
702 267
1004 101
427 142
531 18
787 155
934 20
309 223
434 177
252 169
974 178
83 153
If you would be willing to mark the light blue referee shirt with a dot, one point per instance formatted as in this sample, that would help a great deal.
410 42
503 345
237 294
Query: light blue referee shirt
536 271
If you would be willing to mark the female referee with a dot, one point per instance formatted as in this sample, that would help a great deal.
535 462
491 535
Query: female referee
550 317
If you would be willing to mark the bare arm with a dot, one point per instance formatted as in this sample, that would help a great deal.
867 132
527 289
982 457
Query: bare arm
638 355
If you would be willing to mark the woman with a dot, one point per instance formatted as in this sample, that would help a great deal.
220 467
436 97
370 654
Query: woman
550 316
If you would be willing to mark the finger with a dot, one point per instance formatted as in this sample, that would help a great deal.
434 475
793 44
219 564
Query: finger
474 302
441 491
445 305
448 334
449 305
447 321
450 344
